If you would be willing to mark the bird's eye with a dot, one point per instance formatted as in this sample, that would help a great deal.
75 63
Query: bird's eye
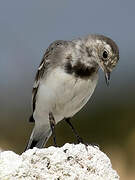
105 54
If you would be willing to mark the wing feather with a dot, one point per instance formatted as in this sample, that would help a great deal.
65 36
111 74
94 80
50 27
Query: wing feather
38 77
46 60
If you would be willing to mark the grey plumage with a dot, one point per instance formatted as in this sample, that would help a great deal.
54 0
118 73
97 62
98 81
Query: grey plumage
66 79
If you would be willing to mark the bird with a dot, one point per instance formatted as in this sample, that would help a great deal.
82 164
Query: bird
65 80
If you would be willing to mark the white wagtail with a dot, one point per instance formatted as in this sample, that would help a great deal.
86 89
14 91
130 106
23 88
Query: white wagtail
65 81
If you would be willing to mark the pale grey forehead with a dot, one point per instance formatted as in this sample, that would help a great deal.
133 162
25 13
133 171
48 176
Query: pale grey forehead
108 42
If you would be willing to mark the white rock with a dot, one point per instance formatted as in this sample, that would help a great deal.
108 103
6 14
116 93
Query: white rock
70 162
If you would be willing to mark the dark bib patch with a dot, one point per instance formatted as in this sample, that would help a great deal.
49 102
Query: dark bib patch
80 70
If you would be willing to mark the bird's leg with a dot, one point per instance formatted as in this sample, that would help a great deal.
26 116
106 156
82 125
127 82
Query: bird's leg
79 139
52 125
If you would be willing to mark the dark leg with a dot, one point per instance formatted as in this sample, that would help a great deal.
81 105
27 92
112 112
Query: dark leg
79 139
52 125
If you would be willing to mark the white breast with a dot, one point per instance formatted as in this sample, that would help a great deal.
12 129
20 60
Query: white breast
63 94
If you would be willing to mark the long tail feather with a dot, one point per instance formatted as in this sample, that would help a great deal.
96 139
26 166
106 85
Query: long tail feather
39 137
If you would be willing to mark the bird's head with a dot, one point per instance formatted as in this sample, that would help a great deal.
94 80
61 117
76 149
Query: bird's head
105 53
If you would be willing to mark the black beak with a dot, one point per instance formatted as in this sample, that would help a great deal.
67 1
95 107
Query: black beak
107 78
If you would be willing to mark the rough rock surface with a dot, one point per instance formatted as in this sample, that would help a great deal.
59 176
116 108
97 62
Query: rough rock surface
70 162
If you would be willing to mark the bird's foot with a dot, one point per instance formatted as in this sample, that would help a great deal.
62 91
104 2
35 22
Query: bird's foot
80 140
93 144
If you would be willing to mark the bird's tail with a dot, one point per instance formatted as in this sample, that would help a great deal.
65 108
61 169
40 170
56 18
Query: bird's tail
39 137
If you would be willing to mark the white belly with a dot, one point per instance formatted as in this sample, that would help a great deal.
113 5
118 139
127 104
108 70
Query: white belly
63 95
